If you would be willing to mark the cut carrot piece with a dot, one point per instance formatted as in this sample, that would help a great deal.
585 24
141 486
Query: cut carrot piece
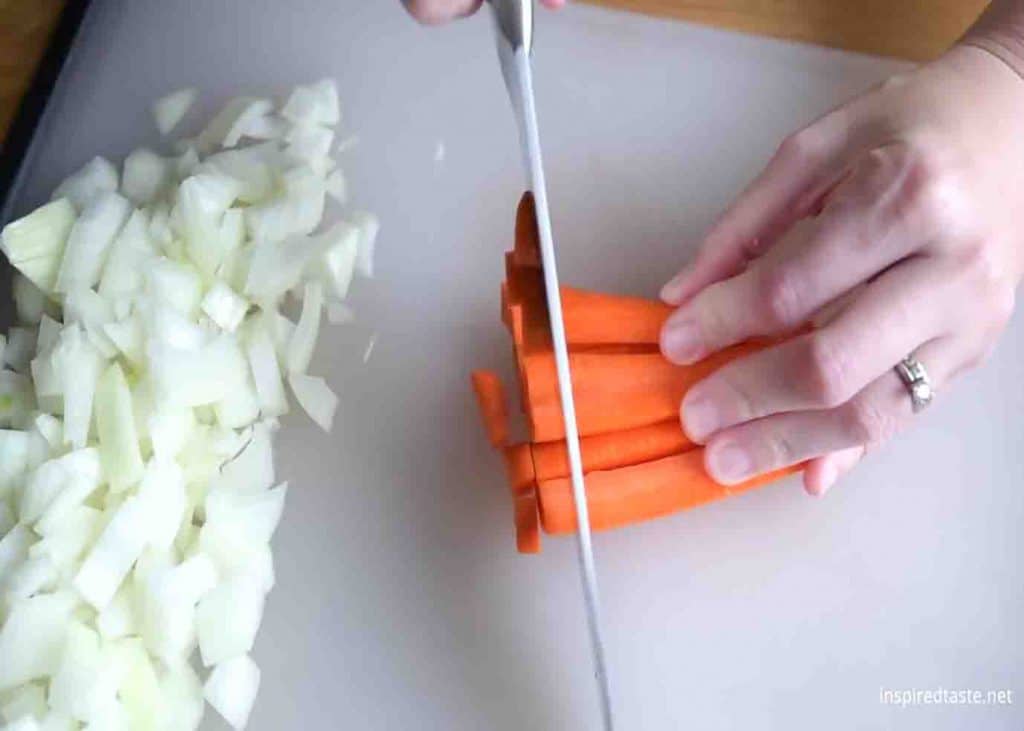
490 396
639 492
593 318
527 244
613 392
527 523
609 451
519 468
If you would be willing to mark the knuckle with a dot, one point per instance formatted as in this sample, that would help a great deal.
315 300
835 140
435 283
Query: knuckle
865 423
828 378
780 299
780 451
805 147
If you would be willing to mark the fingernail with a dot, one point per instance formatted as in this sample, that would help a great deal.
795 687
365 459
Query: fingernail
700 417
681 342
672 292
730 464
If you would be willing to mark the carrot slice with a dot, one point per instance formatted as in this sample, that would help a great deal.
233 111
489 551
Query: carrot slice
527 523
613 391
522 477
490 396
639 492
527 243
608 451
593 318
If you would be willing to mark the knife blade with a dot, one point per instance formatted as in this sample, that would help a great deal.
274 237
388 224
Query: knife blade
514 33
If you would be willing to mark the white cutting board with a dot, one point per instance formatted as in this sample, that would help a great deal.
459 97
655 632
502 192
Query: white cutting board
400 602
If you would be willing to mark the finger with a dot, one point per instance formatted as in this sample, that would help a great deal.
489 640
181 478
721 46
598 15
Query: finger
825 368
868 225
821 473
553 4
434 12
870 418
803 168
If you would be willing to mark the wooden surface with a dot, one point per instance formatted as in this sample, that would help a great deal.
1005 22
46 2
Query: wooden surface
914 29
25 27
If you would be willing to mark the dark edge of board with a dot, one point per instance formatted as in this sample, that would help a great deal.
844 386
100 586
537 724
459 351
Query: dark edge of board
16 149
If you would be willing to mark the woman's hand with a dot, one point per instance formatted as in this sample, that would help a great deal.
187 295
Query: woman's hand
432 12
897 223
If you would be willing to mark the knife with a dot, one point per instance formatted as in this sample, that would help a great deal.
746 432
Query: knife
513 22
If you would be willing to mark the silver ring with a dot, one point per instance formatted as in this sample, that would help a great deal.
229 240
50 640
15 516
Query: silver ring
911 371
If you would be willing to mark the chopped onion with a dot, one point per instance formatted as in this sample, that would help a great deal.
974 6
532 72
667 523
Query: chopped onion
96 177
89 240
169 110
136 461
35 244
300 348
231 689
315 397
145 176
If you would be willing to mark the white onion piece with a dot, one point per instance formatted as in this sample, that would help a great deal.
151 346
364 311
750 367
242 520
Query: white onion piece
18 350
89 240
227 620
315 397
32 638
81 188
78 689
369 227
224 307
227 125
13 459
300 347
169 110
30 301
231 689
112 556
183 694
145 176
315 103
79 368
266 373
35 244
28 700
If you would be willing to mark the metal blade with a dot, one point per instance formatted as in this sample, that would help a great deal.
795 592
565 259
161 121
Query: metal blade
513 17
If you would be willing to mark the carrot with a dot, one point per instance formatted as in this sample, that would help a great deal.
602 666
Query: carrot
613 391
611 450
593 318
490 396
525 464
639 492
527 242
527 523
519 468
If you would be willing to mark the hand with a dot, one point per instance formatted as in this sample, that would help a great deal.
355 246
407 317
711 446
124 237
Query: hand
433 12
897 221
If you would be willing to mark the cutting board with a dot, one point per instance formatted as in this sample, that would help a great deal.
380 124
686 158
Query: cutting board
400 601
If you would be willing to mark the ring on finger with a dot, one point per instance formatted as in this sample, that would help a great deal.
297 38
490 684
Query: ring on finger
915 377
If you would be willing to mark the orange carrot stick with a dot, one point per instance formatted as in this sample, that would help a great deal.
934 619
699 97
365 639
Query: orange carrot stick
593 318
640 492
490 396
525 464
527 523
613 392
527 243
522 477
611 450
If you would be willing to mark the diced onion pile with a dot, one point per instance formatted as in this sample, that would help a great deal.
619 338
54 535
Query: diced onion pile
138 401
